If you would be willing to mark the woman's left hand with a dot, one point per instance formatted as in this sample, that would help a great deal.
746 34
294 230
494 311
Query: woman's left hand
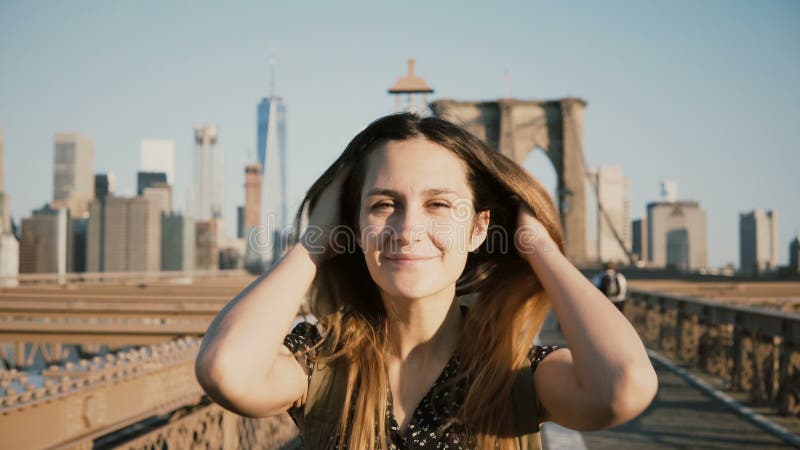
531 236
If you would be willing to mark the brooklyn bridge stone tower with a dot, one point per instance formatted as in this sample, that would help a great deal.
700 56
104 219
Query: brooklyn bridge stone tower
516 127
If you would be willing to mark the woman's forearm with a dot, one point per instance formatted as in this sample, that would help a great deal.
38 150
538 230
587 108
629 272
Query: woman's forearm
243 340
610 359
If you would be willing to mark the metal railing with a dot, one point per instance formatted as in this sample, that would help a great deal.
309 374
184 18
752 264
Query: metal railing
144 398
753 350
99 277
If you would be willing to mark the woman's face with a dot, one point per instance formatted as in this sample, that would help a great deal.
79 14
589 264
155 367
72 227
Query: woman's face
416 218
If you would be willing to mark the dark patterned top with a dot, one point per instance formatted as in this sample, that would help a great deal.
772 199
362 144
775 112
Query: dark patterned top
439 403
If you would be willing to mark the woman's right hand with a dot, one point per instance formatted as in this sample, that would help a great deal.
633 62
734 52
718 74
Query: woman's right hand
324 222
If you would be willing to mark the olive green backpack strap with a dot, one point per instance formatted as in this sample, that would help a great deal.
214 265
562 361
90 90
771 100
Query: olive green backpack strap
323 406
526 412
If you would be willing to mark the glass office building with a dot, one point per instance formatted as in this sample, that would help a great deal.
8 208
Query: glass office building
271 152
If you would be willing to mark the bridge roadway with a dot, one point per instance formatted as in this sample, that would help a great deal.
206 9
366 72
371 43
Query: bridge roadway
682 416
120 313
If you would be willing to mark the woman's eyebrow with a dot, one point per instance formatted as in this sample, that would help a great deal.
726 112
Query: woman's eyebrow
393 193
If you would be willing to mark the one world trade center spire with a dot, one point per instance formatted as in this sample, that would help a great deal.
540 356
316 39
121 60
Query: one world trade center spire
265 243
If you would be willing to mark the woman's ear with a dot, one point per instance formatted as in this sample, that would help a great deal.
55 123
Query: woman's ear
480 231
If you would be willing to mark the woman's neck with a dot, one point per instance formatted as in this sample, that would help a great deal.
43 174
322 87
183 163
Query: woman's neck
425 328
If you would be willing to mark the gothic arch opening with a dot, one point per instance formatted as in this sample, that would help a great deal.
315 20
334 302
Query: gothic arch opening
538 164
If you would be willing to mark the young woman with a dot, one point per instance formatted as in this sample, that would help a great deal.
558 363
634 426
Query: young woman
431 262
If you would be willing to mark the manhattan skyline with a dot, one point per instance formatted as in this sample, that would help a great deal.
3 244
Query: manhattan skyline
703 94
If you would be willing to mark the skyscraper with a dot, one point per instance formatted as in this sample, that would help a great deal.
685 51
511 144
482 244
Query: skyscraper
676 232
271 150
252 196
73 176
145 180
124 234
158 155
80 227
44 244
207 244
794 255
240 222
639 239
207 194
254 260
161 195
669 191
758 241
177 242
104 184
96 225
612 214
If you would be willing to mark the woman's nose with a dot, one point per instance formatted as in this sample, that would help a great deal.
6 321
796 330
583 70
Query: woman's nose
410 226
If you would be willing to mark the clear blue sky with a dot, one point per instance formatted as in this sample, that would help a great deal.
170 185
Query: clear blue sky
704 93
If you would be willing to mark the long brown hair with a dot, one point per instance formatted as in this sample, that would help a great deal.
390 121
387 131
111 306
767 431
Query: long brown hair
507 302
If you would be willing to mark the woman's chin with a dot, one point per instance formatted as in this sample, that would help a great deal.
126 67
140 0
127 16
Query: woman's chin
410 290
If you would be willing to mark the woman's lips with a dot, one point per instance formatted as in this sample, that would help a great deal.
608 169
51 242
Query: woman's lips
409 260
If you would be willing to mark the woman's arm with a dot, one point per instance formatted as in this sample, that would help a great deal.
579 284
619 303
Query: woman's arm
241 364
605 378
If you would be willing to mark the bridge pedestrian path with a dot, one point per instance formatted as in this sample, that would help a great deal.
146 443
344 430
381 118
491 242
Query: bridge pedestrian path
682 416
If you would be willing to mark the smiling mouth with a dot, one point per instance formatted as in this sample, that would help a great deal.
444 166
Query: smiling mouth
409 260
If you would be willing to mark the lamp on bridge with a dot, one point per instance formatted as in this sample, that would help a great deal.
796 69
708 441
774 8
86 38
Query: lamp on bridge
410 86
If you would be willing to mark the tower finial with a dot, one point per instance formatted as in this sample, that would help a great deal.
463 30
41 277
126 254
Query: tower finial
272 76
507 82
409 86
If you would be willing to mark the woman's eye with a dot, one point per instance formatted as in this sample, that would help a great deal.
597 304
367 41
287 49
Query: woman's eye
440 205
382 205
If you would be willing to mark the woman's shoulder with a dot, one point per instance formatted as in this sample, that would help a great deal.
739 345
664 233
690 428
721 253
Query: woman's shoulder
303 336
537 353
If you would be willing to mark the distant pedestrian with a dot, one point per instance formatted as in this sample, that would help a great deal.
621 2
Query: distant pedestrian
612 284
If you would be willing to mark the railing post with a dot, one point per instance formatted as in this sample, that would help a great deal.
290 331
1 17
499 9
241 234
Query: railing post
787 346
737 353
679 317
